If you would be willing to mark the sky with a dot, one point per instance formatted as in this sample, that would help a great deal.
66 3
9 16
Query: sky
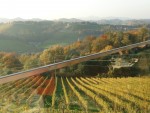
55 9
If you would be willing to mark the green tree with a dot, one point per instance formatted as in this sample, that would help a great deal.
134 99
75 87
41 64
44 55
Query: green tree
126 40
143 34
32 62
51 55
10 63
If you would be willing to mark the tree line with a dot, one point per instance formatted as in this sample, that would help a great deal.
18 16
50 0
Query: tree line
13 62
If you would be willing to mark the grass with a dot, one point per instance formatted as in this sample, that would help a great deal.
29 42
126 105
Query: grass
16 46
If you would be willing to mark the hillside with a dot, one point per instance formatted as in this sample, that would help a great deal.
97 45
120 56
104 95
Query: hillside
32 36
83 87
11 62
124 22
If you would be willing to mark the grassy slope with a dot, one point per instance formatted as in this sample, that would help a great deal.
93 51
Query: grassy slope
15 45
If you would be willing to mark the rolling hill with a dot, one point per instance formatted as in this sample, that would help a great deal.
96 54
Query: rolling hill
33 36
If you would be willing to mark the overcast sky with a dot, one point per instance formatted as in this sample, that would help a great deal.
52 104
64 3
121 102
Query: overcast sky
54 9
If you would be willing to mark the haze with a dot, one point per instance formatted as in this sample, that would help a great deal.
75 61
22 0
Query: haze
54 9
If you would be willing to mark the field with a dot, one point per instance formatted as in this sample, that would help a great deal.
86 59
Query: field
76 94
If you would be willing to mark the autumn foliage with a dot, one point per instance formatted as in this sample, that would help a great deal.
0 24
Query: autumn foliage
12 62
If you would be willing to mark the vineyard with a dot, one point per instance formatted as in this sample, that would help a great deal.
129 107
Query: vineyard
76 94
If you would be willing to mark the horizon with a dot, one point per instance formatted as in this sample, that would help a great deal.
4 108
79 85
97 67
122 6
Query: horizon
90 18
80 9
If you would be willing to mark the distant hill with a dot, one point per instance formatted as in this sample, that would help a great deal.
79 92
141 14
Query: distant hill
106 20
5 20
109 20
123 22
70 20
34 36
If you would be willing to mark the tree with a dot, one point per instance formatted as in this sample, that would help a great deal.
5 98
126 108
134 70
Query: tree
99 44
117 39
51 55
125 40
32 62
10 63
108 47
143 34
86 45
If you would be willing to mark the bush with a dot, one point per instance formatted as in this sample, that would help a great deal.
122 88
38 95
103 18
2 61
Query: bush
126 72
